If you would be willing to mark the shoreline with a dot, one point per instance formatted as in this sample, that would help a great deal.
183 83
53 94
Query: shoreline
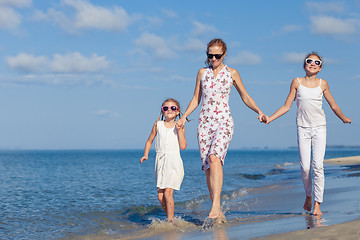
354 160
346 230
341 218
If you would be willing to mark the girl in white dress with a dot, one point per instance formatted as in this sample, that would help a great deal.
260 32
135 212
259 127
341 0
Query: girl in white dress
311 126
169 170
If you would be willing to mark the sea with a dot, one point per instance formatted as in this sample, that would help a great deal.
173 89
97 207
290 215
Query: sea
108 194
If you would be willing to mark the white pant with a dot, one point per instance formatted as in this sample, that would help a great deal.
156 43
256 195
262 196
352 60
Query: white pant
314 138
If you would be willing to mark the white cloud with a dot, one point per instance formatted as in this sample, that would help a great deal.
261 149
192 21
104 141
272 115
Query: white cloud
75 62
194 44
9 19
106 113
335 7
294 57
155 44
333 26
244 58
69 63
87 16
56 80
16 3
90 16
200 28
27 62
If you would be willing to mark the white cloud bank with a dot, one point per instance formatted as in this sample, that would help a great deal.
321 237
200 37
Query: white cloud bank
9 18
68 63
87 16
333 26
155 44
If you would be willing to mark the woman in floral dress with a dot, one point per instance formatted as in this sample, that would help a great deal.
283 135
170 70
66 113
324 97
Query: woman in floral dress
215 129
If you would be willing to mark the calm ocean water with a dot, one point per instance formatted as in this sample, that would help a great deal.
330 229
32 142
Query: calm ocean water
108 194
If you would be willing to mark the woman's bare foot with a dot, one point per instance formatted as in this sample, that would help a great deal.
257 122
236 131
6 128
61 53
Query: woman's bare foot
221 218
307 204
317 211
215 212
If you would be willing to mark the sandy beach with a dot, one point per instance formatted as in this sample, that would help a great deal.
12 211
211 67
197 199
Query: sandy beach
344 231
341 218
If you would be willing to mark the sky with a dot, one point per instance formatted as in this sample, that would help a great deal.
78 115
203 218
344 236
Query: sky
92 74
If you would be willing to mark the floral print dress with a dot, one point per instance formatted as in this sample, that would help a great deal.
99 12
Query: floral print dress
216 125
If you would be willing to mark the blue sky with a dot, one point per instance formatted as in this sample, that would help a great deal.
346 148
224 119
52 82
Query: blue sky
78 74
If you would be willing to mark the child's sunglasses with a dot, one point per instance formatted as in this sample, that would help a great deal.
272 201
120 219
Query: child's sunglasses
172 108
217 56
309 61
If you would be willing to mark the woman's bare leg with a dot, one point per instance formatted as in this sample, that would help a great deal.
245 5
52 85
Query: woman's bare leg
214 179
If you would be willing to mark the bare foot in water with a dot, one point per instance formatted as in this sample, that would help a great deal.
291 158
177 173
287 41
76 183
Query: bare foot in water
307 204
215 212
317 211
221 218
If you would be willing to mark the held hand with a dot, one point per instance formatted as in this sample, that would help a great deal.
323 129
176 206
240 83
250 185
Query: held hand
347 120
143 159
178 127
265 119
180 122
262 117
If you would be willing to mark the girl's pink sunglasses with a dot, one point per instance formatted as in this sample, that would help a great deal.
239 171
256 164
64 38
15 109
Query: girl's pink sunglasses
172 108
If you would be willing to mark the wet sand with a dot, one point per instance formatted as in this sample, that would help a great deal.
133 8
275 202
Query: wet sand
347 230
343 231
287 220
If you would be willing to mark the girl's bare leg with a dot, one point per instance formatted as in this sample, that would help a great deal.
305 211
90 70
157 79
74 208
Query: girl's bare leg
307 204
162 199
169 200
214 179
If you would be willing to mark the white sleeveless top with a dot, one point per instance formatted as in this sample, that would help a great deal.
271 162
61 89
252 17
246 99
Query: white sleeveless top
169 169
309 102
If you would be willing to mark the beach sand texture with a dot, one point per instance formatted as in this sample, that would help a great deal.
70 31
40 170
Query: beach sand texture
332 227
343 231
355 160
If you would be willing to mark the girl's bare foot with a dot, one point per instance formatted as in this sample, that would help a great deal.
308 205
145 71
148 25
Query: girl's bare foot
317 211
307 204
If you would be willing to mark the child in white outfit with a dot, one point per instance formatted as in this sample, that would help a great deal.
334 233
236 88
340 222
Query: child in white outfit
311 126
169 170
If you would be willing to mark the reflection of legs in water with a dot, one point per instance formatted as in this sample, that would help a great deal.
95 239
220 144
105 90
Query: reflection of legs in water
318 220
220 233
214 179
313 221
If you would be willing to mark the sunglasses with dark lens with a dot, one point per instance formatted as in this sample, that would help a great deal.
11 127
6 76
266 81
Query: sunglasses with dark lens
217 56
309 61
166 108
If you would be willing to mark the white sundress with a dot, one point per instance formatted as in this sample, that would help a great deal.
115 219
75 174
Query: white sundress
169 169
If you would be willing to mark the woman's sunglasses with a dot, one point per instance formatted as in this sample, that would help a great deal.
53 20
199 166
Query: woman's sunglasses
172 108
309 61
217 56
